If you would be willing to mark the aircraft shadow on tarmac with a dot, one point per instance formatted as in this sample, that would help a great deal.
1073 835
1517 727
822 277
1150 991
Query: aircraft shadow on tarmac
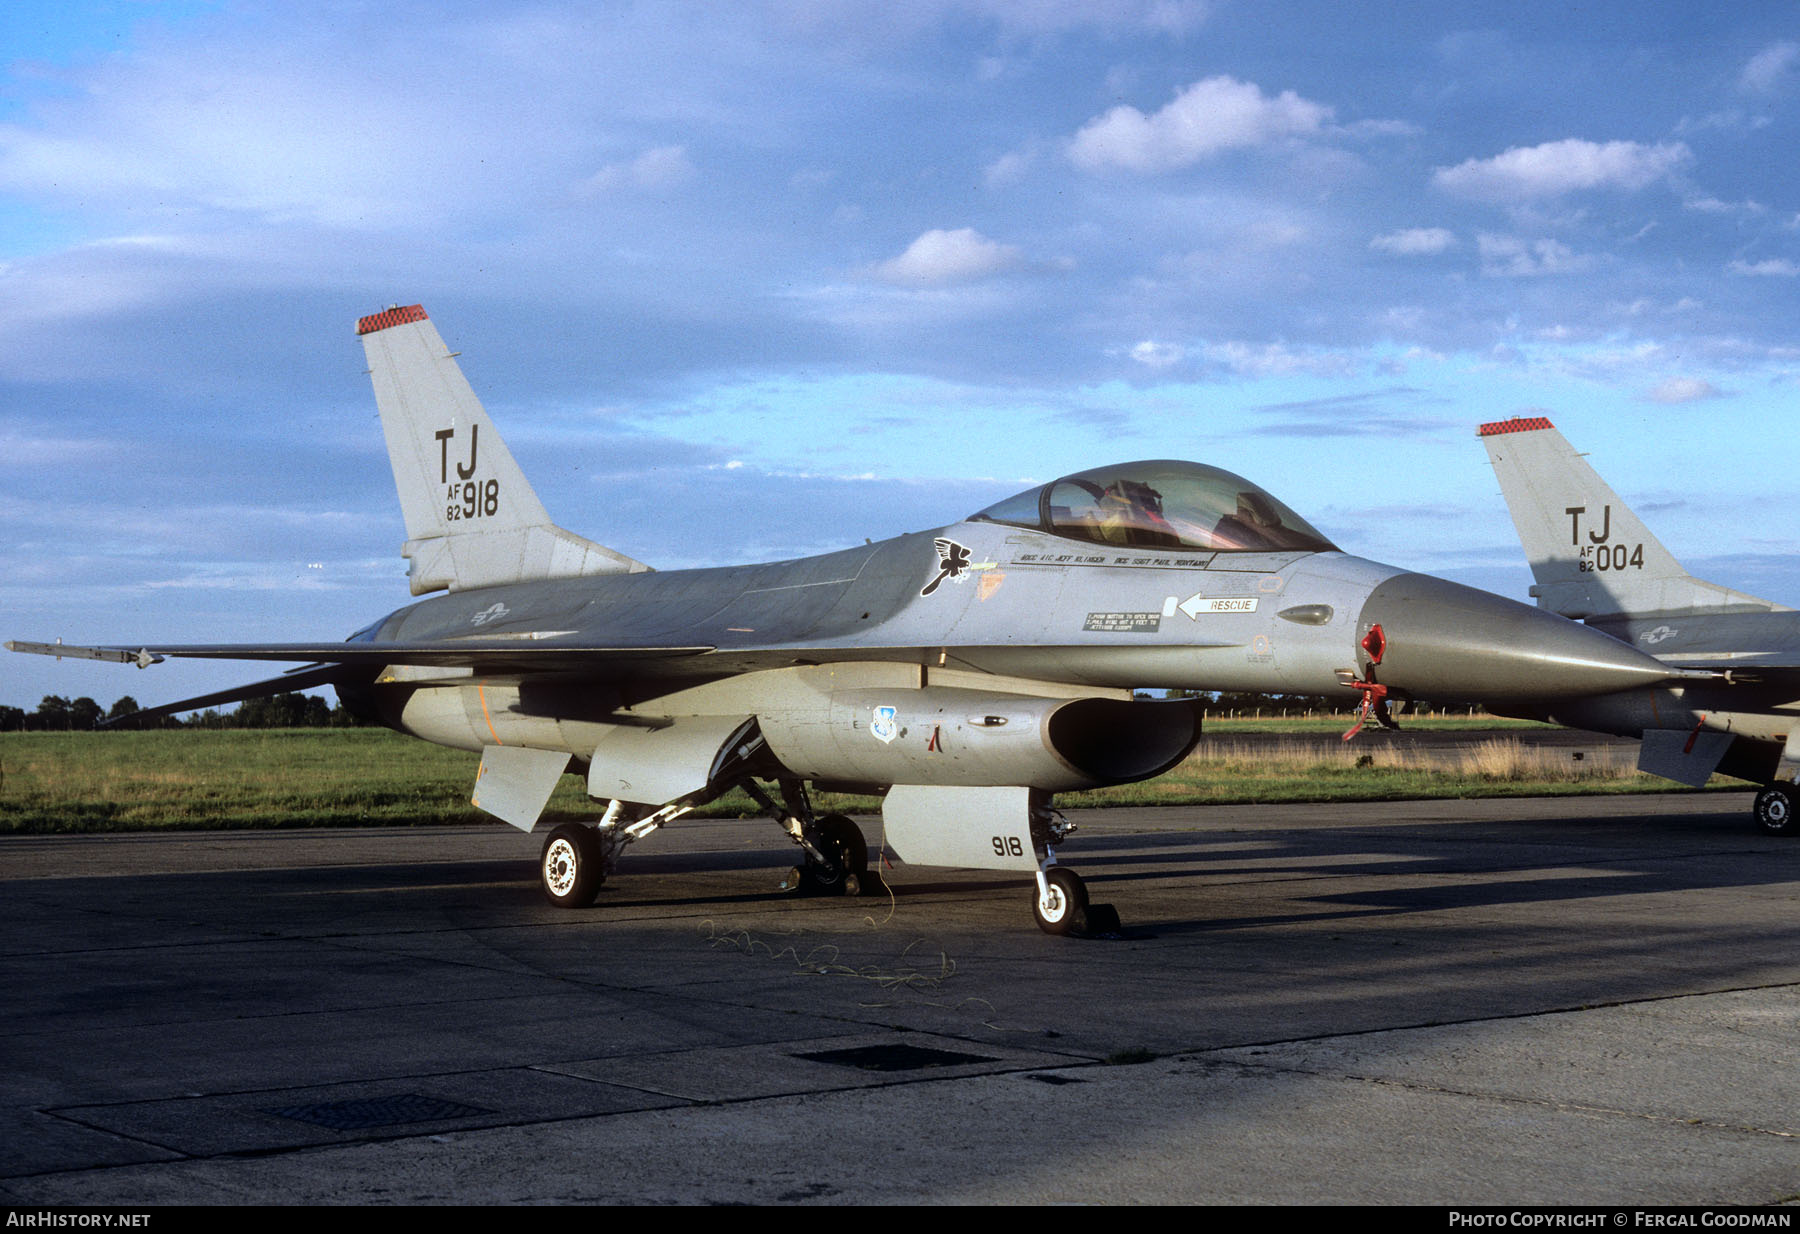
1478 856
1162 883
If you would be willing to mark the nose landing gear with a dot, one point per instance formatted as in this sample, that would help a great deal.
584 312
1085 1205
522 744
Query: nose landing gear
1062 901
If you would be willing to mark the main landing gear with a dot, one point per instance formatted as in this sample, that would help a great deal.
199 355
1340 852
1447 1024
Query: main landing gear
1775 808
573 866
836 861
576 858
846 869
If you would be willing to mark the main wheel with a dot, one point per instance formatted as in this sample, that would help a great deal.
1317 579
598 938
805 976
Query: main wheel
1775 810
572 867
843 841
1066 908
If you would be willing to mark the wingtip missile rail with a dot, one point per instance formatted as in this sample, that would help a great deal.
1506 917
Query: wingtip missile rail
143 657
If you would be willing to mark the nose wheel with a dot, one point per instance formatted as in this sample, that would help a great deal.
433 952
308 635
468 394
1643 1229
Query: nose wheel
1062 901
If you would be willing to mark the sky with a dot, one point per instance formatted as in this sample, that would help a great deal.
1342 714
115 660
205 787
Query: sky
749 281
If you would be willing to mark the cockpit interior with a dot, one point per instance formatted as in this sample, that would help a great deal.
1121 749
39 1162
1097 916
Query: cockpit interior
1161 503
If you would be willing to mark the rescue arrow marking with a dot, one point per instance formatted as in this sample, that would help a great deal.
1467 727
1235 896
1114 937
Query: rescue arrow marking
1197 603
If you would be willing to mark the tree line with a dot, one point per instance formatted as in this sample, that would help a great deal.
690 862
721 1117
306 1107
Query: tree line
58 714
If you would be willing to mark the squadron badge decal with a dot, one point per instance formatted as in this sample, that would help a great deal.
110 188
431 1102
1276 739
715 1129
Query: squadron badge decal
953 564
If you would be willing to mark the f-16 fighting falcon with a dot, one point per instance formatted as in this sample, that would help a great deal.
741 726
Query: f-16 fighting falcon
968 673
1595 561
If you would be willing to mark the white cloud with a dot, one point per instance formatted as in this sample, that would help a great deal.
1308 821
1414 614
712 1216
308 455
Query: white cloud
1732 120
1528 173
661 168
1381 128
1156 355
1764 71
939 257
1219 113
1280 360
298 137
23 448
1773 267
1713 205
1683 390
1007 169
1512 257
810 178
1172 17
1643 306
1415 241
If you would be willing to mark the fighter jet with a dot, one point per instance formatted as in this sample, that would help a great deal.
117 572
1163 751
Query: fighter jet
1595 561
967 673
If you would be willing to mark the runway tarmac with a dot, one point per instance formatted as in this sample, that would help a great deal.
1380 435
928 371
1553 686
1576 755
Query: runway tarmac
1578 1000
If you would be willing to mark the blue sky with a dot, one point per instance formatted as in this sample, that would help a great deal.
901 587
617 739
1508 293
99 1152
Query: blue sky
753 280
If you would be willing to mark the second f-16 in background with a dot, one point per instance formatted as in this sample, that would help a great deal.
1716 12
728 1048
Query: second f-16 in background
1595 561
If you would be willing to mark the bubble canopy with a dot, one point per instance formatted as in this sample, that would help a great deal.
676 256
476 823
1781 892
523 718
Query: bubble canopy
1161 503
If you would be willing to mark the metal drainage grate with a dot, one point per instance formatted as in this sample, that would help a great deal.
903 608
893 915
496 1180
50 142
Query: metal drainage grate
362 1113
894 1058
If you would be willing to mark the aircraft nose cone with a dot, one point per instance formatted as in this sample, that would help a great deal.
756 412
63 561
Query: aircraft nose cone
1442 641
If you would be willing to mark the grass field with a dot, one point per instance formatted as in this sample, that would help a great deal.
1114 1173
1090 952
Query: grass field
59 782
1437 721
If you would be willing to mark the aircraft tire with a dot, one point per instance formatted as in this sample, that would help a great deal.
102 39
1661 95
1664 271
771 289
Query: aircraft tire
1067 910
1775 809
843 839
572 866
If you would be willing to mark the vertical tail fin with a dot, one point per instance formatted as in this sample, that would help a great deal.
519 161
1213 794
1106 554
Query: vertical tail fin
1591 556
472 519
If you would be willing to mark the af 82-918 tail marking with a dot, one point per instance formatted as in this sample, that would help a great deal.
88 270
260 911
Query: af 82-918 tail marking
483 525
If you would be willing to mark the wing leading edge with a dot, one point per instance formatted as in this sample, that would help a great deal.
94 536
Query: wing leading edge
494 656
334 664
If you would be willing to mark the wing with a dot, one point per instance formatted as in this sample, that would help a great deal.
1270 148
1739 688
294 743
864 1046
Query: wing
495 656
302 678
332 664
